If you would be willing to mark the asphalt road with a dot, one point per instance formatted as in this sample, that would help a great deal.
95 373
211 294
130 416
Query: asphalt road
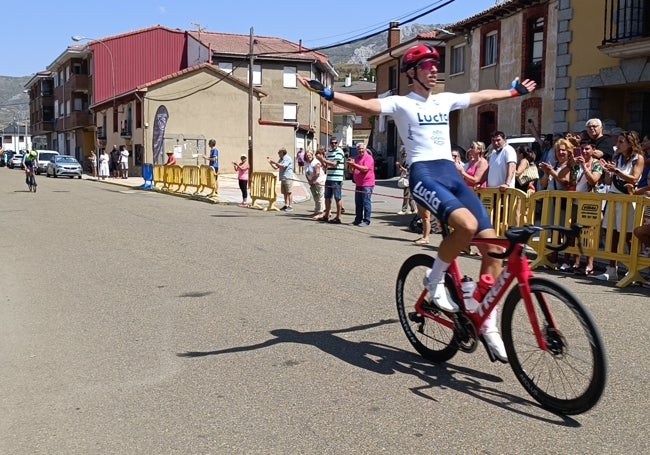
136 322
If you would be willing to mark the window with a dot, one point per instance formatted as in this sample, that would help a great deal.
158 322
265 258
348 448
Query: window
138 114
392 78
458 59
78 104
289 77
290 112
226 67
358 120
491 48
535 50
257 75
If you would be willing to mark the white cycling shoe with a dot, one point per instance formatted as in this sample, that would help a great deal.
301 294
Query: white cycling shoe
440 296
495 345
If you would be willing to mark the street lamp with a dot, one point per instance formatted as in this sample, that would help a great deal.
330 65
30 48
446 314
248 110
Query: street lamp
78 38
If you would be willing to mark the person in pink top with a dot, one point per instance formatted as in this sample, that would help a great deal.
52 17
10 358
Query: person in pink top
362 168
242 176
474 172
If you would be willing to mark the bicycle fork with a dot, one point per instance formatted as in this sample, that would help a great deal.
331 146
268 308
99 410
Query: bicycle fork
524 289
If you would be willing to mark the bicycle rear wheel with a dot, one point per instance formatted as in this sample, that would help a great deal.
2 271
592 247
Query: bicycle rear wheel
432 335
569 377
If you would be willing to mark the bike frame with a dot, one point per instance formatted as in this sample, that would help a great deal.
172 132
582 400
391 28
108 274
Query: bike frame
517 269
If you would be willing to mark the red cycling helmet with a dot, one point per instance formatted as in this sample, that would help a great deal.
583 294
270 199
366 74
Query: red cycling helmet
417 53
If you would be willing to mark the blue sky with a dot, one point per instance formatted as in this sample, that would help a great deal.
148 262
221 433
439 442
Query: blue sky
36 33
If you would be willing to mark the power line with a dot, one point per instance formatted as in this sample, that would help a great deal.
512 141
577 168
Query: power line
361 38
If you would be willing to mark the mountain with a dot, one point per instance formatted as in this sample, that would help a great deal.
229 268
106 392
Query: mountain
359 52
14 103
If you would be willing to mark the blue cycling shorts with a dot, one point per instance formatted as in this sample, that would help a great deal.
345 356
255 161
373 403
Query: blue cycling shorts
438 186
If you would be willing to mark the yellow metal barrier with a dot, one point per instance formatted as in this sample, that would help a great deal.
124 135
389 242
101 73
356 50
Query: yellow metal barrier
514 208
563 208
506 208
158 175
208 180
173 178
263 187
637 263
190 178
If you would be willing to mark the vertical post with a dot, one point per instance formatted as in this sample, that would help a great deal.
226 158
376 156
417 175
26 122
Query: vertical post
251 60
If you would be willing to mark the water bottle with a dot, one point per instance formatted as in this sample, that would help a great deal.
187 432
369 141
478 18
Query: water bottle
485 283
468 286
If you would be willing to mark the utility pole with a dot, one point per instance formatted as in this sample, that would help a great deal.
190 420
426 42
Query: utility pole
251 60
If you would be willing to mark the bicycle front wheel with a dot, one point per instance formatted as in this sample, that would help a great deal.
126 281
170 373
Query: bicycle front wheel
569 376
431 334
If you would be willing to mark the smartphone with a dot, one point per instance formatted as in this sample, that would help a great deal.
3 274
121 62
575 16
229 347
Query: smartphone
577 152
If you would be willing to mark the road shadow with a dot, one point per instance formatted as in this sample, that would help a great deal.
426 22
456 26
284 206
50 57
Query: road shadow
387 360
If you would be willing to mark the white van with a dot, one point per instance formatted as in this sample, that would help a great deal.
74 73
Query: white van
44 157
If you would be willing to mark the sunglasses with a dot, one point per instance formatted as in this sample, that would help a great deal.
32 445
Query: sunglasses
427 65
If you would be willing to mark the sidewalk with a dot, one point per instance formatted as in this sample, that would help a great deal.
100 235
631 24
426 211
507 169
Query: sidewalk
229 192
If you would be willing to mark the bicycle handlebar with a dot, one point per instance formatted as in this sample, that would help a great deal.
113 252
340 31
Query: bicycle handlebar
518 235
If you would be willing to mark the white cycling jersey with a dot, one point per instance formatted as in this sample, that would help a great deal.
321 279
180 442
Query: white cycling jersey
423 123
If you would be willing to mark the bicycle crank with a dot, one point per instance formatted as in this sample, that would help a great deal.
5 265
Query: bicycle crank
465 333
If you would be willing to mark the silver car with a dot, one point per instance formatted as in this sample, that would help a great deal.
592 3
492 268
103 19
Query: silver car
63 165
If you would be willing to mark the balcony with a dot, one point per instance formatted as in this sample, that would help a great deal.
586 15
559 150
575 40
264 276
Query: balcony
126 132
79 83
42 127
627 29
79 119
101 132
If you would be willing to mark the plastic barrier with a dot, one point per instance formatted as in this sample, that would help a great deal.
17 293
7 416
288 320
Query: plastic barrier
563 208
208 180
158 175
263 186
173 178
190 178
148 176
506 208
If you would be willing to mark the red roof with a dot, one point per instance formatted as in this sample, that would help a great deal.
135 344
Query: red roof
238 45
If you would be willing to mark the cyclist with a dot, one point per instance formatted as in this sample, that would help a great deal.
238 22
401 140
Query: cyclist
422 121
29 161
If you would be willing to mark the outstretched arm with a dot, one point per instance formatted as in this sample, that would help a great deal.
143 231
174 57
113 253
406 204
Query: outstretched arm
355 103
517 89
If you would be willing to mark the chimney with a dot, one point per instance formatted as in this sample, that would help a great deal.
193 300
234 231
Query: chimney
394 35
348 80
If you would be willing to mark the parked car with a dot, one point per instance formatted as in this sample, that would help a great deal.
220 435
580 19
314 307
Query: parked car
16 161
517 141
6 157
63 165
44 157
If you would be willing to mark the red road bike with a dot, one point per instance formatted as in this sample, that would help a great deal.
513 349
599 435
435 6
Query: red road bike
554 347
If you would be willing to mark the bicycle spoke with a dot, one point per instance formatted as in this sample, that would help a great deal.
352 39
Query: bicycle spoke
430 332
568 376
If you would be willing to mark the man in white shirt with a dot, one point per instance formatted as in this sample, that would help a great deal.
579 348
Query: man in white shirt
503 163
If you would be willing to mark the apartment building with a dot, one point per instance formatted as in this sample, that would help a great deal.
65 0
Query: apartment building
158 89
